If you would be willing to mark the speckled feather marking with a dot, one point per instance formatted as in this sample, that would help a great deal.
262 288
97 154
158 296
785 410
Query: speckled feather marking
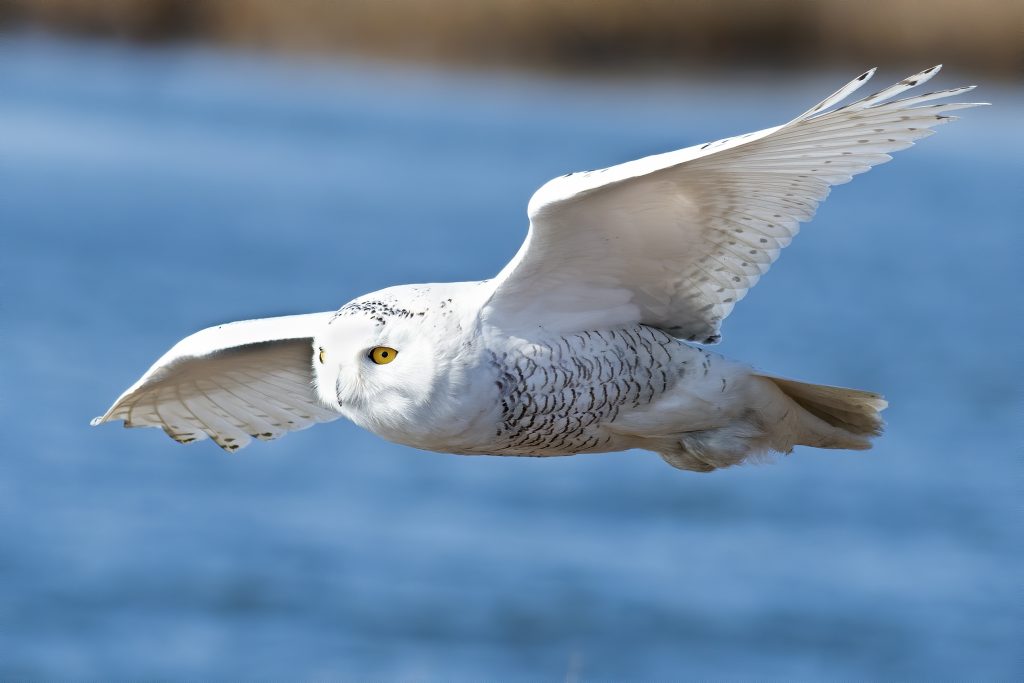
377 310
556 397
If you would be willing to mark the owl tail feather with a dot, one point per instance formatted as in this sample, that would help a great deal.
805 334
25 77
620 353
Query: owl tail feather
775 415
826 417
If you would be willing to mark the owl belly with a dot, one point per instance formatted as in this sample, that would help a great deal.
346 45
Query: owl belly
565 394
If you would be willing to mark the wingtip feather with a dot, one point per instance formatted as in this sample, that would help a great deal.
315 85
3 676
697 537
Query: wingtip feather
923 76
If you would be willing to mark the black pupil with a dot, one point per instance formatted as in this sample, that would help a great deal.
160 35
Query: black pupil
383 354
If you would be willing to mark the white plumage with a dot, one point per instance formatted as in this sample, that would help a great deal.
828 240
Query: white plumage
579 344
230 382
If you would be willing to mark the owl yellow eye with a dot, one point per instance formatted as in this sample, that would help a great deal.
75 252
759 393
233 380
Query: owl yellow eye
323 354
382 355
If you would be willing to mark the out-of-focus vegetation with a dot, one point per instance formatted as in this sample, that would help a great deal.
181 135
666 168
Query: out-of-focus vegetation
985 35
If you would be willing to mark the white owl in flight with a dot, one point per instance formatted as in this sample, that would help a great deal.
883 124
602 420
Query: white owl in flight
584 342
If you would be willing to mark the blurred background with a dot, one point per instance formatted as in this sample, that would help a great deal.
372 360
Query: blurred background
168 165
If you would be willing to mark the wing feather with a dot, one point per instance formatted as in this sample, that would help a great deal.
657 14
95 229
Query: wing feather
676 239
230 383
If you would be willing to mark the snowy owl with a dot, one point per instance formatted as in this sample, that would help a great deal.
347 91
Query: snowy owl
591 339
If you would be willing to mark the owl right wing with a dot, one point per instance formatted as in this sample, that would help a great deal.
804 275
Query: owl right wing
675 240
231 383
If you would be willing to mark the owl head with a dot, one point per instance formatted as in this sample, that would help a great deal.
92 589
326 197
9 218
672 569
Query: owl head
389 360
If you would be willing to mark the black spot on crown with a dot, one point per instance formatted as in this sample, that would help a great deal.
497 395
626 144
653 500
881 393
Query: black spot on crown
377 310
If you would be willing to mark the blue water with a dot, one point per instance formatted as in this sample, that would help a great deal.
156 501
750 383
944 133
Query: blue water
147 193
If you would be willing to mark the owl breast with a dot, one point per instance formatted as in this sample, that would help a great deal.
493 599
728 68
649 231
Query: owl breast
560 395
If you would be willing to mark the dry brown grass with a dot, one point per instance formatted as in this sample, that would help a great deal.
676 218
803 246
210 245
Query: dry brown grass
986 35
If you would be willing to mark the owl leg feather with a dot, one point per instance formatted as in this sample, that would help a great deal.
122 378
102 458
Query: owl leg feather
781 414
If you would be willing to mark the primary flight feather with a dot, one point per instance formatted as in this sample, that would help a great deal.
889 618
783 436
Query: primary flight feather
583 342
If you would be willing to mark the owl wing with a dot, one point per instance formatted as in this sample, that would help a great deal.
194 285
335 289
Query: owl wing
675 240
230 382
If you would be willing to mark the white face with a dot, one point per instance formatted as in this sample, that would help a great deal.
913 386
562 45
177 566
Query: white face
377 370
404 363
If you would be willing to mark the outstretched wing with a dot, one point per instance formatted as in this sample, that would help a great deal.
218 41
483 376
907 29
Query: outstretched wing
675 240
230 382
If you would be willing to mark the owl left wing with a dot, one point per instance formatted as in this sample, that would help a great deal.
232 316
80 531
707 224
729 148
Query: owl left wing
675 240
231 383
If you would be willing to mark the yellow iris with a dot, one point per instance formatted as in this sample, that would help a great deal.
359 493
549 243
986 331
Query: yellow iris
323 354
382 355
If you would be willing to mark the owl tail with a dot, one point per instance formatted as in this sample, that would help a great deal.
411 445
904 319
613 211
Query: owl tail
825 417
